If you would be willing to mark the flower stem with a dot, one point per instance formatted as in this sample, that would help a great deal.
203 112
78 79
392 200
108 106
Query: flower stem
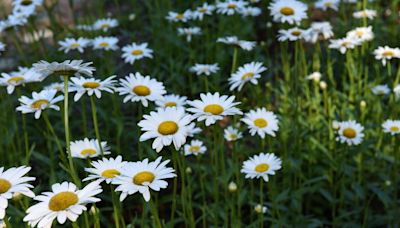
95 123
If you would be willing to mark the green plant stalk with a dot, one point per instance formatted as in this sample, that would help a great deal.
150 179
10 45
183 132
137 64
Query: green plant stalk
95 123
155 214
234 59
261 202
115 202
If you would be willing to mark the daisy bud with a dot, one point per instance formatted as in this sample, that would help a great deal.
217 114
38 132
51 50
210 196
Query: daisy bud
316 77
94 210
17 196
132 16
269 24
363 104
188 170
323 85
335 125
388 183
232 187
260 209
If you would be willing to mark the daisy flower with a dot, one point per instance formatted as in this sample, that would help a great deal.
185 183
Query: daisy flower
396 91
315 76
193 129
13 180
196 147
91 86
318 30
343 44
59 86
234 41
166 126
262 122
290 11
327 4
40 101
250 11
203 10
66 68
361 33
179 17
105 169
2 47
386 53
24 4
213 107
134 52
232 134
105 43
105 24
189 32
249 72
141 88
260 209
65 201
171 100
205 69
142 176
366 13
381 89
261 165
88 148
291 34
18 78
391 126
70 44
230 7
350 132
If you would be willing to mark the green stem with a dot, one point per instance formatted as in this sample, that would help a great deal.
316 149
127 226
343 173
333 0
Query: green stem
95 123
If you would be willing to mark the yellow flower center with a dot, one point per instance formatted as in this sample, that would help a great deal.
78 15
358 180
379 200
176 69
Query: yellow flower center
170 104
62 201
5 185
388 53
345 44
232 6
260 122
260 168
214 109
141 90
233 136
168 128
202 10
26 2
88 152
137 52
104 44
287 11
15 79
194 149
143 177
296 33
360 33
328 4
105 26
75 45
91 85
247 75
394 129
179 16
39 103
349 133
110 173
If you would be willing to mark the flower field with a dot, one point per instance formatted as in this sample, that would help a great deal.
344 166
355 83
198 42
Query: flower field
231 113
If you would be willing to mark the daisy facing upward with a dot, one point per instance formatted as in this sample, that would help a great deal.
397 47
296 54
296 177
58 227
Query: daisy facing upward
261 165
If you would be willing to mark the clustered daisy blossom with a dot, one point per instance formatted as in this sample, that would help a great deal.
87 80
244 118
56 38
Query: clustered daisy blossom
290 11
249 72
40 101
105 169
204 69
262 122
195 147
391 126
350 132
234 41
386 53
261 165
135 51
18 78
88 148
70 44
91 86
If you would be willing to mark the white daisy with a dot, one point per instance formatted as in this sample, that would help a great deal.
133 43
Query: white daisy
260 209
315 76
350 132
291 34
171 100
105 24
361 33
193 129
134 52
40 101
88 148
18 78
261 165
343 44
64 201
262 122
234 41
91 86
196 147
230 7
327 4
66 68
70 44
391 126
105 169
189 32
179 17
291 11
166 126
24 4
396 91
203 10
13 180
232 134
142 176
318 30
249 72
213 107
205 69
105 43
381 89
366 13
250 11
59 86
386 53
